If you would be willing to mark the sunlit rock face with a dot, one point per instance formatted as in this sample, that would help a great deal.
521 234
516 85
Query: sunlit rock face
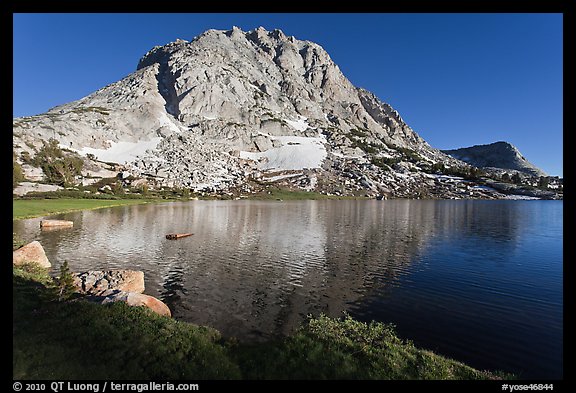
229 106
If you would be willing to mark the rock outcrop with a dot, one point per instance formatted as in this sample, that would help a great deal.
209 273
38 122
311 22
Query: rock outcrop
138 300
98 282
32 253
25 187
118 286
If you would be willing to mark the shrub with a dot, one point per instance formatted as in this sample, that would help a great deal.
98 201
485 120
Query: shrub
384 162
437 168
117 188
367 147
543 182
409 154
17 174
59 168
470 173
359 133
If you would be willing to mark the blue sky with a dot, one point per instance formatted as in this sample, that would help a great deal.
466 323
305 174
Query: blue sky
456 79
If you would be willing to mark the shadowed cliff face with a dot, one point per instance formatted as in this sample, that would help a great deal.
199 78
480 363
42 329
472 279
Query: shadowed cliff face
496 155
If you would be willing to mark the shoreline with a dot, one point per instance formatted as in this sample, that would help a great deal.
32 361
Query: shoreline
32 208
126 342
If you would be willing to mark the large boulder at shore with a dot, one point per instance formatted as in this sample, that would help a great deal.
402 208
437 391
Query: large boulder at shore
31 253
138 299
98 282
108 286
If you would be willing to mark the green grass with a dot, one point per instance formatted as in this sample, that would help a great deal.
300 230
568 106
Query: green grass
80 340
330 348
27 208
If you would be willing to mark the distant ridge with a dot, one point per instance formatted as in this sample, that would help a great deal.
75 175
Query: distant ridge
501 155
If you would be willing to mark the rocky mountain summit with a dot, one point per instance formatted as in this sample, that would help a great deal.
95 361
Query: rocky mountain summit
500 155
235 112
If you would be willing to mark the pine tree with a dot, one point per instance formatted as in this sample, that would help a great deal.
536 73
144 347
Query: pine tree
65 283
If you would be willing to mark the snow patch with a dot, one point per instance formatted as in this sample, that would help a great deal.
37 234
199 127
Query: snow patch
282 177
165 121
301 124
483 188
122 152
296 153
210 117
521 197
403 175
447 177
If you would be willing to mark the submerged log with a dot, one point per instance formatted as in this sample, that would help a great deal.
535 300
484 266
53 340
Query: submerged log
174 236
56 223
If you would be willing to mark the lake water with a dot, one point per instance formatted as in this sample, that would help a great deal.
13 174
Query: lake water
478 281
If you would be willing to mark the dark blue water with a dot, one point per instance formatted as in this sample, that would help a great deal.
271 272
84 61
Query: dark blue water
478 281
486 290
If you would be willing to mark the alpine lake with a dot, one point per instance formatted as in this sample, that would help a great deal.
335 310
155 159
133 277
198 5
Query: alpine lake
479 281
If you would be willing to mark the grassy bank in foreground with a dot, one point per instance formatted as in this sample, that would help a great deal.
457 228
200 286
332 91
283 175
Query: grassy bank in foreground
28 208
80 340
